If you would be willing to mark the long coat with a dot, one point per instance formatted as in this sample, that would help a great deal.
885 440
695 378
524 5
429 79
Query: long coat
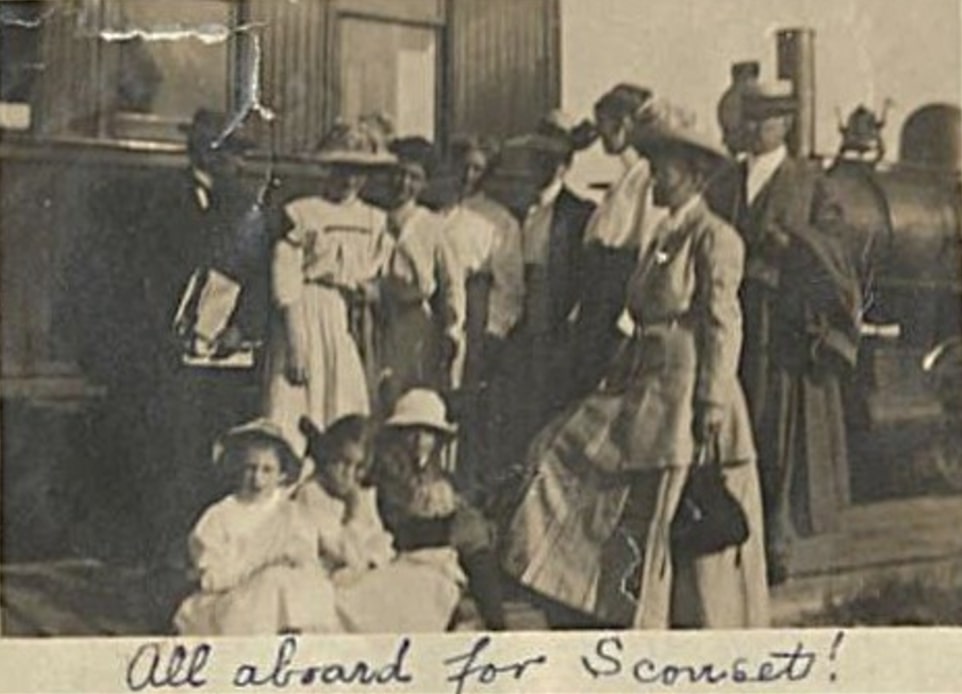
543 354
608 476
801 326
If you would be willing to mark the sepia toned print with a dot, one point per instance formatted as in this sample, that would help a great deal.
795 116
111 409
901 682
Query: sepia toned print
426 316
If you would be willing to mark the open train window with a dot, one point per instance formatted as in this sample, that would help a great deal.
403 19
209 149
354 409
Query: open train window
160 62
20 60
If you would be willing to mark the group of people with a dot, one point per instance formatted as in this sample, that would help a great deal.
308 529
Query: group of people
469 387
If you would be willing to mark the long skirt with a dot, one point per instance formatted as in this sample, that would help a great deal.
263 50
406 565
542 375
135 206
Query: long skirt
728 589
599 541
273 600
416 593
410 350
336 384
592 540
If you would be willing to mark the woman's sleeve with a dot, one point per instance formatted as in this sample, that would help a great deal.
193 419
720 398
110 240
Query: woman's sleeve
718 265
370 542
212 553
287 282
451 284
507 291
326 523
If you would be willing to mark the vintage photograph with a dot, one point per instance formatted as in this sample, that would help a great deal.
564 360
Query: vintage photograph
413 316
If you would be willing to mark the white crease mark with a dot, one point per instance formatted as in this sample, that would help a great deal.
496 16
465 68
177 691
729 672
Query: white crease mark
250 101
207 34
637 560
29 23
210 34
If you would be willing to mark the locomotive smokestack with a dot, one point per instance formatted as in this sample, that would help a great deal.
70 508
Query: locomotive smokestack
796 62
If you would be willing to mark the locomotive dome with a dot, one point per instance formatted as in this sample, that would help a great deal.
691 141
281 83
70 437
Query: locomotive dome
931 137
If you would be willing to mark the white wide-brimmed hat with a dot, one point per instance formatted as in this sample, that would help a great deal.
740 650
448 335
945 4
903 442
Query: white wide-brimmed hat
421 407
667 125
347 144
261 431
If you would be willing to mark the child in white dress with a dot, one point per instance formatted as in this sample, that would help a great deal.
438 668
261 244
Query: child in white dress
376 590
253 551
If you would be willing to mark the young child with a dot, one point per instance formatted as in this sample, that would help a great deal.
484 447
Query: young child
359 552
420 505
253 550
351 537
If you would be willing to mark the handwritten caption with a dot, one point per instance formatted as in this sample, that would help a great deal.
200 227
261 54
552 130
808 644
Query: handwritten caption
159 666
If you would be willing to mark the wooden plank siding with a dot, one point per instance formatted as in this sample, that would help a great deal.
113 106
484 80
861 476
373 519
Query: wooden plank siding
295 72
503 64
68 98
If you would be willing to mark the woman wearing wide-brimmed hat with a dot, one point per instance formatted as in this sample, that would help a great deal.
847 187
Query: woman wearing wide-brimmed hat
613 471
333 250
423 289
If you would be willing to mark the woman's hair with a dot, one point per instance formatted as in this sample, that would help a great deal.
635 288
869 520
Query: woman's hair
623 100
417 150
322 446
461 145
238 445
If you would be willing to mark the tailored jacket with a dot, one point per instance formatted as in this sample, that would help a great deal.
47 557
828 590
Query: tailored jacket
683 299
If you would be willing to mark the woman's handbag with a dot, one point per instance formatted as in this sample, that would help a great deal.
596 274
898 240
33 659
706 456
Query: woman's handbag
709 518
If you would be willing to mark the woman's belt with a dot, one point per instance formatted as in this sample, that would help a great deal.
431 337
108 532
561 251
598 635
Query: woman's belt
680 322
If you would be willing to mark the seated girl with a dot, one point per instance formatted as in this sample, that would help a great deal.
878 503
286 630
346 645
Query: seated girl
375 589
253 551
420 505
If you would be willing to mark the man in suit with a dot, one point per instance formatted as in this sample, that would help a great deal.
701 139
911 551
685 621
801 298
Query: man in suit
553 248
800 300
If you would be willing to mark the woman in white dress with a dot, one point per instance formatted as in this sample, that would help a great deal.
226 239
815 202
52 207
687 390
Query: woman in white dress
422 295
323 273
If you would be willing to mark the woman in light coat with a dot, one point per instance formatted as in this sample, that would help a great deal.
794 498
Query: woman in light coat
611 473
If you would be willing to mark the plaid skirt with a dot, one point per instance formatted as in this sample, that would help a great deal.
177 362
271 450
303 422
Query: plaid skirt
594 540
599 542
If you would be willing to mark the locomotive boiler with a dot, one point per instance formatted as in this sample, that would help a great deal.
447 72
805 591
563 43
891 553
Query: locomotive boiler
904 403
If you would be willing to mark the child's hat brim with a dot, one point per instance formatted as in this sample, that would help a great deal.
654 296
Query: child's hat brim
263 430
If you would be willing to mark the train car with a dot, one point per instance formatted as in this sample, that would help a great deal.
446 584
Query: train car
94 98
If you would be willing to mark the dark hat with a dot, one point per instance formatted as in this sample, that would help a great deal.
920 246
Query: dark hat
562 127
415 150
666 126
623 100
352 145
769 100
462 144
746 68
210 129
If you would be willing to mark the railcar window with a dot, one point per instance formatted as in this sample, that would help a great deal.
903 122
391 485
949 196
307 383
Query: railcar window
20 61
155 82
390 68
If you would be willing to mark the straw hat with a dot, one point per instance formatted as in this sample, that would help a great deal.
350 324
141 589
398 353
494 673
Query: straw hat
260 431
768 100
421 407
664 125
351 145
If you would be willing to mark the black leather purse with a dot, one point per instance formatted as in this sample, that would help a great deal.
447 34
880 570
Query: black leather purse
709 518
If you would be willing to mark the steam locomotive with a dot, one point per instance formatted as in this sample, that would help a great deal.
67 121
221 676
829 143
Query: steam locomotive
904 403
